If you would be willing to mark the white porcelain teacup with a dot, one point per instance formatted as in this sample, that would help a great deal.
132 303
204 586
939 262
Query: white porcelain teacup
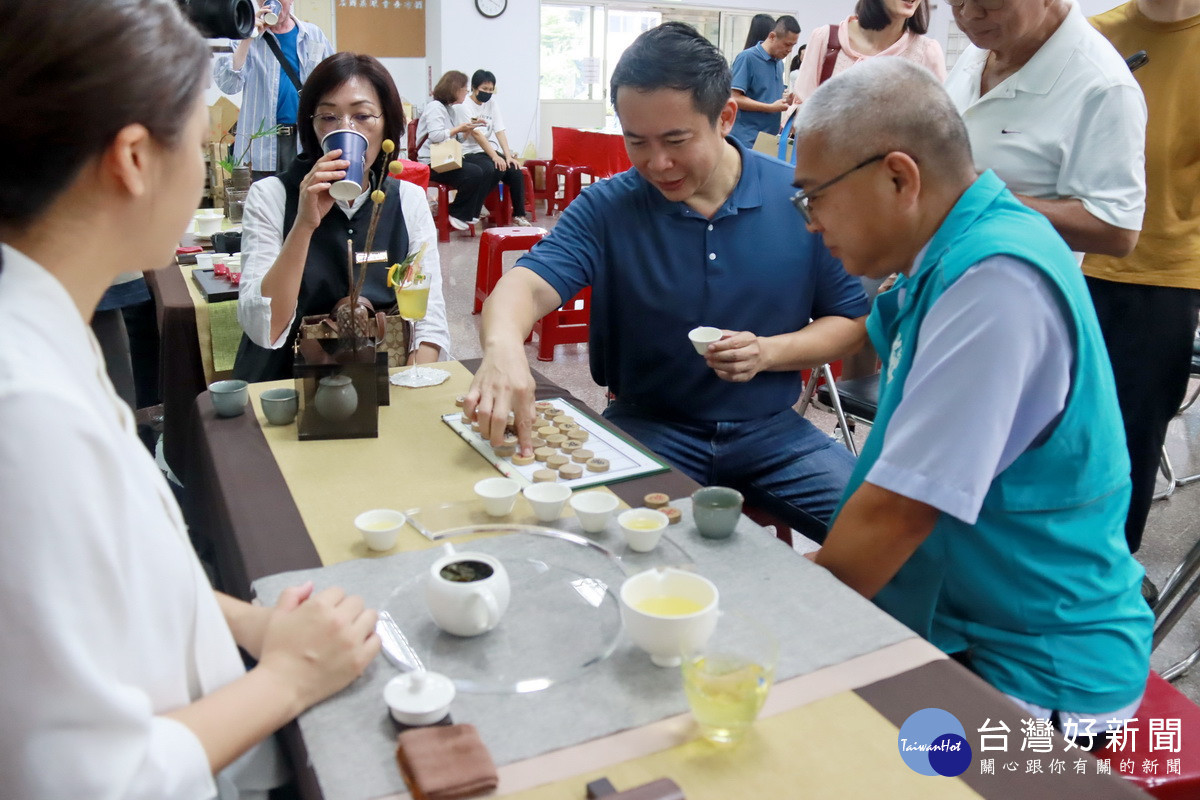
702 337
499 495
467 593
593 509
642 528
669 612
547 499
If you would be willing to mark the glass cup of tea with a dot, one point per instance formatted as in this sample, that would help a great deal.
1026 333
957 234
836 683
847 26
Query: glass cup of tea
727 678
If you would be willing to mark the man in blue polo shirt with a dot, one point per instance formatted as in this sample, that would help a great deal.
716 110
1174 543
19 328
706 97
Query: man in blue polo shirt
987 508
697 233
758 82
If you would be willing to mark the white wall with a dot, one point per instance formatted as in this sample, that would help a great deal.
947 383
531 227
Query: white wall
508 46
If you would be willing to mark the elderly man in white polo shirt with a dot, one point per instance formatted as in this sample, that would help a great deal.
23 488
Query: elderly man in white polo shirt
1051 107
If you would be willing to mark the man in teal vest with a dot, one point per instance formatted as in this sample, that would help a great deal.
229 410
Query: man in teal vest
987 508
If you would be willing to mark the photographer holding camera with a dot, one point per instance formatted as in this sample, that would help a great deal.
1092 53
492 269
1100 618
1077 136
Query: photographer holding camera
269 68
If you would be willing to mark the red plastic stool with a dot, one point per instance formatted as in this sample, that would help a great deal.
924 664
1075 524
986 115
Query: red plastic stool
1162 701
442 220
565 325
493 243
572 185
499 203
546 193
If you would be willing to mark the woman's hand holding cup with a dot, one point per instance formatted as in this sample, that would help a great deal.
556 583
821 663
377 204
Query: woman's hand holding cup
315 200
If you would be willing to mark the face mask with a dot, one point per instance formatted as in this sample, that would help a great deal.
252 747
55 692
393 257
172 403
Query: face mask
483 97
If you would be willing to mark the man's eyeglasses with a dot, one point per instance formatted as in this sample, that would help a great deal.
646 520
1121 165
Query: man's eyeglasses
360 120
986 5
802 198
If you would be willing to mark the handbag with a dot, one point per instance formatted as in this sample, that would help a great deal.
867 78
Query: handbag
392 333
445 156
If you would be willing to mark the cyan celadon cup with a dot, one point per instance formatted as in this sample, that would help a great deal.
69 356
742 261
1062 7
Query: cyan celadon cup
229 398
280 405
716 511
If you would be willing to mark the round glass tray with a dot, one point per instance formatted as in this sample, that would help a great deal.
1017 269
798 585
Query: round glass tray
563 616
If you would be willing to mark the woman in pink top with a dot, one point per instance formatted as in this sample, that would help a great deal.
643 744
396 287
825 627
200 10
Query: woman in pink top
877 28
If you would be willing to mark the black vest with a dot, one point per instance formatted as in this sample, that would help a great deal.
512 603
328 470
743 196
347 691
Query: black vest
325 279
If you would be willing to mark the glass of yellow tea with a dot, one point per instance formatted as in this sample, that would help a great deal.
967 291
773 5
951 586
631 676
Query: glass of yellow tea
412 299
727 678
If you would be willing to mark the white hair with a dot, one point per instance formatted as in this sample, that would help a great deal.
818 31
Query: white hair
887 104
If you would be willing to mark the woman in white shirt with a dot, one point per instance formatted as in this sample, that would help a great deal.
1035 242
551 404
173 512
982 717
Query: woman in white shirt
294 233
121 675
488 148
444 118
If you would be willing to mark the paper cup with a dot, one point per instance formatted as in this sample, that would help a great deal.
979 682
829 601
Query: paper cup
354 149
702 337
271 17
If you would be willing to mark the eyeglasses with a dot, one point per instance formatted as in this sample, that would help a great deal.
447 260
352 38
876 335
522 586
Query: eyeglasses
360 120
986 5
802 198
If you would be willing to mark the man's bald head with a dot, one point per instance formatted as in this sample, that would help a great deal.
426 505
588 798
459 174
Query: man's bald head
889 104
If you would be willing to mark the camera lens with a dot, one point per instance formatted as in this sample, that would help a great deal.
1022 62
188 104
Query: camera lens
221 19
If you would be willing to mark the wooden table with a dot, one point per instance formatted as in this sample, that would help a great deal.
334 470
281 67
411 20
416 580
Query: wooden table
830 733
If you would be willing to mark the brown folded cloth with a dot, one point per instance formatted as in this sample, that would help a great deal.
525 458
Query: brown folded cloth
445 763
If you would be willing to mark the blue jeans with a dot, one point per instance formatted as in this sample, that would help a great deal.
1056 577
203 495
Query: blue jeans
782 463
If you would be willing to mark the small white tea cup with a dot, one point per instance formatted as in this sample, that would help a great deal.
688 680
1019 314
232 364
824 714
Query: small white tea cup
702 337
499 495
642 528
547 499
593 509
380 527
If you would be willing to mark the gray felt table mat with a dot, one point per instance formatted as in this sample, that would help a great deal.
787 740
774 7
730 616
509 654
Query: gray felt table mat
818 621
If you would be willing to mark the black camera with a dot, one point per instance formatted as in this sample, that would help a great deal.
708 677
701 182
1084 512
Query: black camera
221 19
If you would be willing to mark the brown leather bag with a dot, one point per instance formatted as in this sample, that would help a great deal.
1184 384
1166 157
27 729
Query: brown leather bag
392 333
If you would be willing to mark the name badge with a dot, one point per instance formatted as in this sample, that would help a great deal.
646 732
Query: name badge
371 258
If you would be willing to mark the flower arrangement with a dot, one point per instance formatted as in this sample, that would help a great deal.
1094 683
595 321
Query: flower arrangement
351 314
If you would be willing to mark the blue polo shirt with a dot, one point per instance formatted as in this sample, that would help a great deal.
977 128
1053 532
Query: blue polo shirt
658 269
759 77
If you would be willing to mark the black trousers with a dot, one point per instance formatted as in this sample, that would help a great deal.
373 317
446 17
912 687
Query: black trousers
472 184
513 180
1148 331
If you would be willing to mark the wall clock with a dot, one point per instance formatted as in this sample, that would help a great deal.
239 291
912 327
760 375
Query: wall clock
491 8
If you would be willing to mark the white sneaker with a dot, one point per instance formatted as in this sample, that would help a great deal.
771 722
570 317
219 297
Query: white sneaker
458 224
521 222
483 212
475 220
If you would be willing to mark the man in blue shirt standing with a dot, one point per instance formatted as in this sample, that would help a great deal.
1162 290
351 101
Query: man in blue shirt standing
758 82
697 233
269 97
987 508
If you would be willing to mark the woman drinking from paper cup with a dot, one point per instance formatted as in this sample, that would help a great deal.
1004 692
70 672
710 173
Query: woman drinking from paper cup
121 675
296 224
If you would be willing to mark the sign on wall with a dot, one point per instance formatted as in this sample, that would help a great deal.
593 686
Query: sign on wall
382 28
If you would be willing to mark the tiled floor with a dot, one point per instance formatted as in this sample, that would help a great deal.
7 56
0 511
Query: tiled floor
1174 524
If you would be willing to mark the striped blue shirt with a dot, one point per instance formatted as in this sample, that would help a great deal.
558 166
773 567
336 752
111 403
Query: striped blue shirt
258 80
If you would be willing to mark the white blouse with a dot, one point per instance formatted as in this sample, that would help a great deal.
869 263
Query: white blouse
262 239
106 617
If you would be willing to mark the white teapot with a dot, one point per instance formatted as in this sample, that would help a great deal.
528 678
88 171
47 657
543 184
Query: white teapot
467 593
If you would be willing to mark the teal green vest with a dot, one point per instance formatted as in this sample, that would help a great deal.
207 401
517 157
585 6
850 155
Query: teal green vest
1041 589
